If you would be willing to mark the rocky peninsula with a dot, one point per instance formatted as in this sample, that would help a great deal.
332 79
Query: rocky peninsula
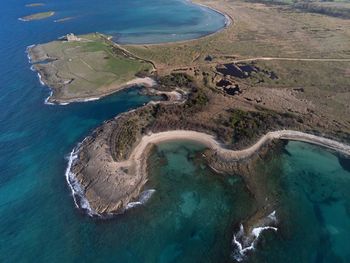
123 181
242 92
80 68
108 171
111 164
37 16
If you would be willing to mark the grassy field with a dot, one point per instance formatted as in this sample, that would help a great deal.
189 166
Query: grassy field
321 74
309 54
257 30
336 8
89 67
38 16
275 31
325 84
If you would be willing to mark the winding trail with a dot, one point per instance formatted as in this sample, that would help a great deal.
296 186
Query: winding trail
108 186
235 155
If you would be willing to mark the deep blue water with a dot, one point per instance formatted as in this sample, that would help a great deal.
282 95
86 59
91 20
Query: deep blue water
191 215
135 21
36 208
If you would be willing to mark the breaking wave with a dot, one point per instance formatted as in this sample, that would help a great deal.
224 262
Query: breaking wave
144 197
79 198
244 242
78 193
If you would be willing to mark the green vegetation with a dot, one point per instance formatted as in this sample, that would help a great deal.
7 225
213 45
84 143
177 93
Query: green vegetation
123 138
38 16
175 80
246 125
196 100
89 66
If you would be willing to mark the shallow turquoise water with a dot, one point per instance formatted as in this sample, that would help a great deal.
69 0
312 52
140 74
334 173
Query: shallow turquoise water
135 21
193 212
314 210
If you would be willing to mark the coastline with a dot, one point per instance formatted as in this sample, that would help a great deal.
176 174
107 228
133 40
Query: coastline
77 192
50 100
36 59
229 21
137 161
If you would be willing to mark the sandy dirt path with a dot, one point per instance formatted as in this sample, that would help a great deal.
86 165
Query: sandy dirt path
108 186
211 142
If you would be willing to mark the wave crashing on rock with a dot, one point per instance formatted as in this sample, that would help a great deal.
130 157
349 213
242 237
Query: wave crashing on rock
244 242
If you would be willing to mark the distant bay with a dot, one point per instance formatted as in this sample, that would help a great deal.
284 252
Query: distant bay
192 208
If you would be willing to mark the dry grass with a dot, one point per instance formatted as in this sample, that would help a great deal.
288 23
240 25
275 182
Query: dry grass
258 30
265 30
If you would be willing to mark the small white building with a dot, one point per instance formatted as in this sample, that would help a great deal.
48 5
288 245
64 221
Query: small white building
71 37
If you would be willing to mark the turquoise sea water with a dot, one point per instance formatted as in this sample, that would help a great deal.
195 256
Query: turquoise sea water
136 21
193 213
314 209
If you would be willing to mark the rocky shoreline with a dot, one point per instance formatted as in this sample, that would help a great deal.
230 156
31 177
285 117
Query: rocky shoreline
66 74
110 181
111 163
106 182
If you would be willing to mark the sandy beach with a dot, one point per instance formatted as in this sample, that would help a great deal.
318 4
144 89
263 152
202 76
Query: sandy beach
110 185
147 82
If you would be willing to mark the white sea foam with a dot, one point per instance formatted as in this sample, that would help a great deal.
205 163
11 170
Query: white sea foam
257 231
144 197
47 100
243 243
88 99
27 51
79 198
40 79
78 193
272 216
77 100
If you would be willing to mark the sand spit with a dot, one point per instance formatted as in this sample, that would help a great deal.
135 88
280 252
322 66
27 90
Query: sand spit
109 186
147 82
